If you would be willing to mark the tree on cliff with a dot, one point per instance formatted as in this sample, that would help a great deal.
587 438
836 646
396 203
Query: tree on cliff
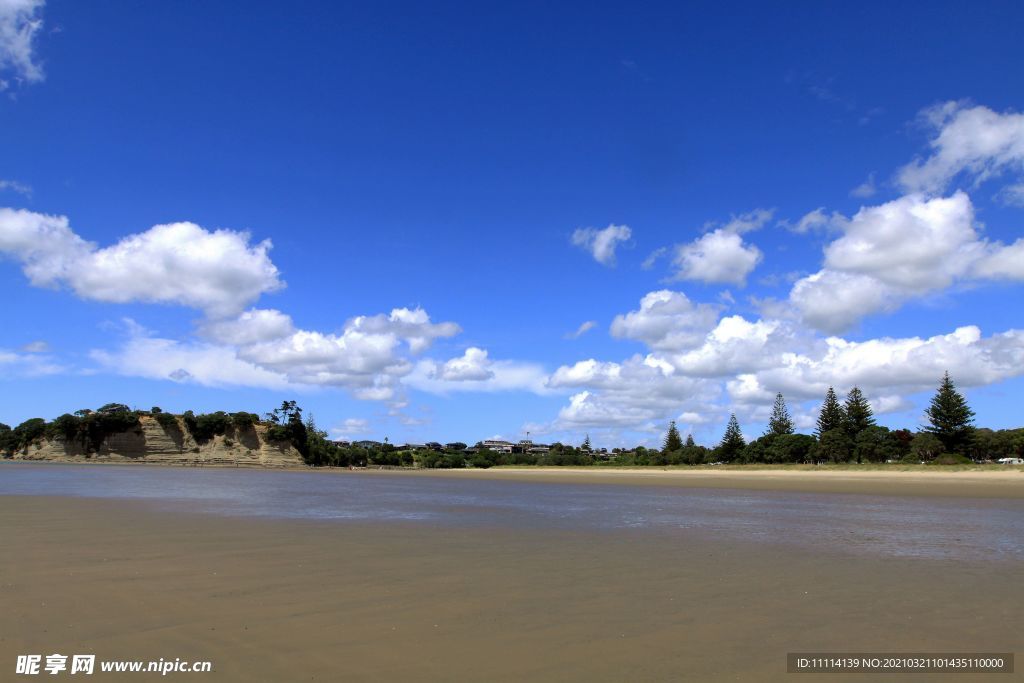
950 418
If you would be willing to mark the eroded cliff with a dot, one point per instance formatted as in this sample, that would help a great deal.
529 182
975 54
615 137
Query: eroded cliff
151 442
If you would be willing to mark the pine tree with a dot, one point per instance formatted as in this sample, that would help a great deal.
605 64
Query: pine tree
733 442
690 443
831 416
859 415
780 422
672 440
951 419
586 444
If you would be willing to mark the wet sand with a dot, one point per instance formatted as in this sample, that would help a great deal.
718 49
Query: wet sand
1008 483
310 600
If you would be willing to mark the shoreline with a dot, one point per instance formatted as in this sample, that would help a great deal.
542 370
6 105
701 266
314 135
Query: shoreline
872 480
957 484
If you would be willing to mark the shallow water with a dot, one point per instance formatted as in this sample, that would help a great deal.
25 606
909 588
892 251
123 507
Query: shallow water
948 528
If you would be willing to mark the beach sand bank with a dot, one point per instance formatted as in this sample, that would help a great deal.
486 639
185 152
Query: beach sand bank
1008 483
272 600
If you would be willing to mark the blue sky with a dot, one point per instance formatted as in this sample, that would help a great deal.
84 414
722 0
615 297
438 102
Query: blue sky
445 221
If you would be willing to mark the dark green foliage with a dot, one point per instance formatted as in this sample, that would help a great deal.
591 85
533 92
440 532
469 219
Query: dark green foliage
112 408
586 444
926 447
690 443
780 421
835 445
189 418
29 431
7 440
672 440
166 420
950 418
66 428
244 420
286 425
859 415
791 448
831 415
210 425
733 443
875 444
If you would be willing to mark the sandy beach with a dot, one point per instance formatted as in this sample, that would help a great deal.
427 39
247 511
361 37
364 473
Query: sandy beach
275 600
1006 483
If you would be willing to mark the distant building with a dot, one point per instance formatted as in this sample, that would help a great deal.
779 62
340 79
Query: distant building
434 446
342 443
497 445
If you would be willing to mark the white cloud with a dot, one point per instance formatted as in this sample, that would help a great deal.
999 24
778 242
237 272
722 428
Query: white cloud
20 23
472 366
144 355
412 326
832 301
353 426
891 367
31 361
746 222
475 371
865 189
15 186
974 141
718 256
251 327
180 263
667 321
631 393
906 248
601 243
582 329
814 220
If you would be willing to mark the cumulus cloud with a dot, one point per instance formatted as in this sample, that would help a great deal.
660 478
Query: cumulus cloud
628 394
667 320
145 355
601 243
412 326
472 366
216 271
475 371
20 23
717 257
887 254
251 327
974 141
890 367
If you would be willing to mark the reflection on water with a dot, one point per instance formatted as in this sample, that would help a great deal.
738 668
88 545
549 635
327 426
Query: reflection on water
959 528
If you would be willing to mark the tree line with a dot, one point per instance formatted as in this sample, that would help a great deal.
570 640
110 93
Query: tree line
845 432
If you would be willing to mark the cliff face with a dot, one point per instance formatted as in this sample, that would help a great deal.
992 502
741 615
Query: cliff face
150 442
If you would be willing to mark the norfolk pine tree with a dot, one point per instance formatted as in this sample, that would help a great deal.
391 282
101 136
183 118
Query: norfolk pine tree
780 422
672 440
859 415
950 418
733 443
831 416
